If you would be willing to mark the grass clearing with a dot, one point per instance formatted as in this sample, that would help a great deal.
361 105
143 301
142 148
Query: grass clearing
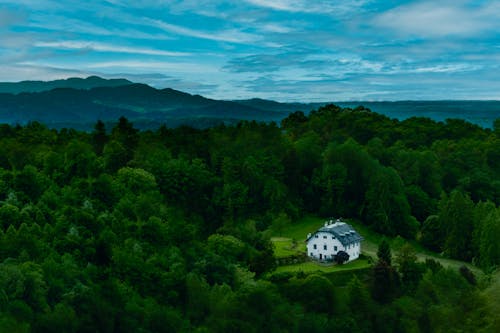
301 228
285 247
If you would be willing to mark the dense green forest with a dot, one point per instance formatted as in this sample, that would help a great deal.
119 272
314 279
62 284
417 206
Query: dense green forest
121 230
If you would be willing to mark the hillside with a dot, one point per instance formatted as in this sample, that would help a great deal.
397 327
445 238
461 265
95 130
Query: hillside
81 108
79 103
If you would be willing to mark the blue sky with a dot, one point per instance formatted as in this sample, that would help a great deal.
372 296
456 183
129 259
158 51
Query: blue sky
287 50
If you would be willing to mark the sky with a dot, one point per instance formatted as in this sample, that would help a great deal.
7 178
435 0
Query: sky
286 50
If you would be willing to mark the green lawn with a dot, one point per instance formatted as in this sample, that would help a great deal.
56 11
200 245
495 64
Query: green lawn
369 245
310 267
300 229
283 243
284 247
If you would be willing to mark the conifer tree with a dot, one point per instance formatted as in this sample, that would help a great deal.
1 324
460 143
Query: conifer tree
384 252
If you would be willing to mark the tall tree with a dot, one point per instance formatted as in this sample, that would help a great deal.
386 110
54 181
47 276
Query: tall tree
99 137
410 270
489 249
384 252
457 218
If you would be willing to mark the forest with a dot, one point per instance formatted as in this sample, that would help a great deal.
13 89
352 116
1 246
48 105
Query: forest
168 230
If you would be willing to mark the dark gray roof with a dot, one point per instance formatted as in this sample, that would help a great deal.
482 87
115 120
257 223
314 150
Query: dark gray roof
344 232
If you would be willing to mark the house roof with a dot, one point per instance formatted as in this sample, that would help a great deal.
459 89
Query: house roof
344 232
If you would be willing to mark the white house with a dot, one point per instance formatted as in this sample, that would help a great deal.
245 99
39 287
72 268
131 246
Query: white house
333 237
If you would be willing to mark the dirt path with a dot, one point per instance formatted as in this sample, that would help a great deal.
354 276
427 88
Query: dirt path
370 249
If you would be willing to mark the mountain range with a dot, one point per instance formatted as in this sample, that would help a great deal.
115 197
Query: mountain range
79 103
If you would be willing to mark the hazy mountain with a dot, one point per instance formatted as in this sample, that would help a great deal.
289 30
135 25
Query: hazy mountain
75 83
81 108
482 113
265 104
79 103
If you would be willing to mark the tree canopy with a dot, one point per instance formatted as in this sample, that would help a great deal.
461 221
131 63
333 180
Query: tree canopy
168 230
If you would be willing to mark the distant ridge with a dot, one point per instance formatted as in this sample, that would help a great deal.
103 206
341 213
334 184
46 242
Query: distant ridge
265 104
79 103
74 83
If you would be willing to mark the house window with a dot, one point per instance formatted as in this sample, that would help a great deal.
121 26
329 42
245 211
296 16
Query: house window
314 246
333 237
311 254
335 248
324 247
324 237
315 236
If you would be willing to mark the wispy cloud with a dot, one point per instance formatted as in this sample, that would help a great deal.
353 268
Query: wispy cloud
306 6
60 24
284 5
100 47
308 60
26 71
276 28
231 35
284 49
160 66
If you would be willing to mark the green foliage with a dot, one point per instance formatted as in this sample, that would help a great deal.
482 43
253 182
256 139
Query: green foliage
457 219
385 282
411 271
169 230
489 247
384 252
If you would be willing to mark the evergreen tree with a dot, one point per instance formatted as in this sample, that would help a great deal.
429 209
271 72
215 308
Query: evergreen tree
489 248
411 272
384 252
99 137
457 219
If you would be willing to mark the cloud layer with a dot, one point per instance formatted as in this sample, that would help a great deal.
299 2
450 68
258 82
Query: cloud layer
289 50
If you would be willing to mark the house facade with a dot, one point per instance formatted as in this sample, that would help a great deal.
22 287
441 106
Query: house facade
333 237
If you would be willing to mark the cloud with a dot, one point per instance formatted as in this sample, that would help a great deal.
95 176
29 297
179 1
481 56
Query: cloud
284 5
161 66
263 62
14 73
309 62
160 81
447 68
440 19
317 7
61 24
285 49
100 47
231 36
